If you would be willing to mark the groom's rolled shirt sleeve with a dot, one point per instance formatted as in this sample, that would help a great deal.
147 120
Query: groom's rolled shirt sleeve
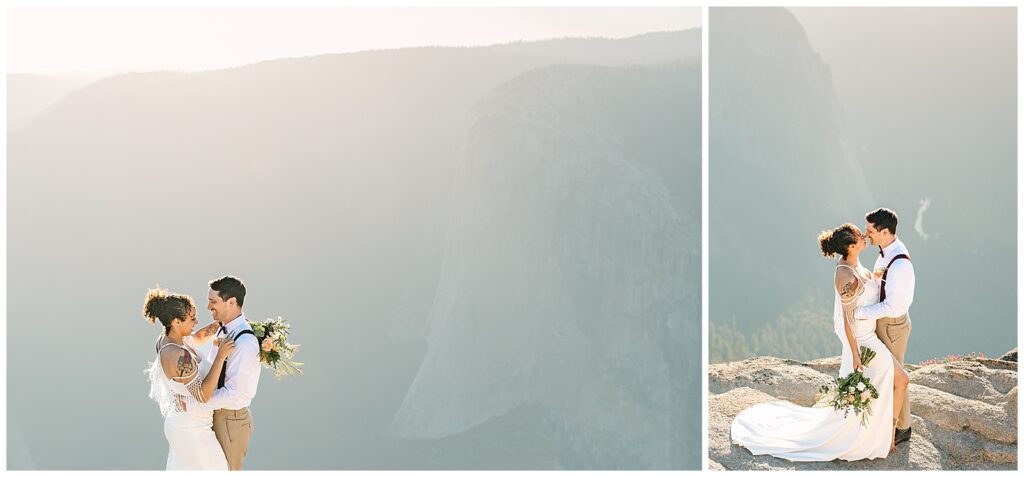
241 378
899 294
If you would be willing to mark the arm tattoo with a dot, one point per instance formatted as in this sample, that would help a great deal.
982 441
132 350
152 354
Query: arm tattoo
849 289
185 365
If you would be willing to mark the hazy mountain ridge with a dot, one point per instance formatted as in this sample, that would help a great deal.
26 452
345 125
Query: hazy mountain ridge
233 135
29 94
325 182
614 51
649 48
799 332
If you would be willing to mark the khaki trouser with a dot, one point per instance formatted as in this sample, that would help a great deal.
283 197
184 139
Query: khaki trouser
233 430
894 333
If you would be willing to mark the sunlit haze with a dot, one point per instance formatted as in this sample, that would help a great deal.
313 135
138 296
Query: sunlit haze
63 40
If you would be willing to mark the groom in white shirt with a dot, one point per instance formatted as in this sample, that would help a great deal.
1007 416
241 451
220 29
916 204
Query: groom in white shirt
232 422
891 313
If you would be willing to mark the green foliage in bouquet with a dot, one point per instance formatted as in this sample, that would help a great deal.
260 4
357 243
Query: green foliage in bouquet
854 392
275 350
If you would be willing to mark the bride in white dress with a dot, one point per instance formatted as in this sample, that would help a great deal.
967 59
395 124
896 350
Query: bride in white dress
180 382
803 434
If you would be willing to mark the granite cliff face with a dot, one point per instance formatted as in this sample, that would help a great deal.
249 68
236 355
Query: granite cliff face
964 413
568 283
780 169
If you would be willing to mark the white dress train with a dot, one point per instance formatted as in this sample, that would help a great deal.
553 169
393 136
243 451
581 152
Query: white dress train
188 425
806 434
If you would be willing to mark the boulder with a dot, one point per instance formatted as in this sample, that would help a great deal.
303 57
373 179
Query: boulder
1009 355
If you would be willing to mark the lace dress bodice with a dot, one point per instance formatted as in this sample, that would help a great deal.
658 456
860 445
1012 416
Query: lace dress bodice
867 294
178 395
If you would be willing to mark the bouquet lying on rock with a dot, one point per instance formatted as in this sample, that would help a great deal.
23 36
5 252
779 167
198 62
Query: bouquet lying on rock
275 350
854 392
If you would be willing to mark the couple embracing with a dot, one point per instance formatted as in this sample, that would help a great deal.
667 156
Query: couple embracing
205 401
871 311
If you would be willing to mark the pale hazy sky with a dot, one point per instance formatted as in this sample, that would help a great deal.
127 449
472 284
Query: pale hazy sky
63 39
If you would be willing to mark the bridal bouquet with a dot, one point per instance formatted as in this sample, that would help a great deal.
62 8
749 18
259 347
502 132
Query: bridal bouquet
275 350
854 392
878 273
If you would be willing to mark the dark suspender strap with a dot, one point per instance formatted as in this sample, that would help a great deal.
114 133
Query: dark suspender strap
224 368
250 332
885 274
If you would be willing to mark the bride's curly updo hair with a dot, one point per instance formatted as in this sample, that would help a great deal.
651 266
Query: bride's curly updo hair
165 307
838 240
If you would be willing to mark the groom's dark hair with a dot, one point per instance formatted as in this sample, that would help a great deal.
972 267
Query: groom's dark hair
882 219
228 287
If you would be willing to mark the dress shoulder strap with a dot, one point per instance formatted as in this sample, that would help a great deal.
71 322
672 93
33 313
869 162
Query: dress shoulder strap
851 268
186 348
169 344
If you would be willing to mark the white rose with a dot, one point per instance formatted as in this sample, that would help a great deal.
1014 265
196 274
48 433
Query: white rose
860 386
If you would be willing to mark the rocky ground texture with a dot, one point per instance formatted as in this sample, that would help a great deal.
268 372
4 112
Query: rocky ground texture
964 413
